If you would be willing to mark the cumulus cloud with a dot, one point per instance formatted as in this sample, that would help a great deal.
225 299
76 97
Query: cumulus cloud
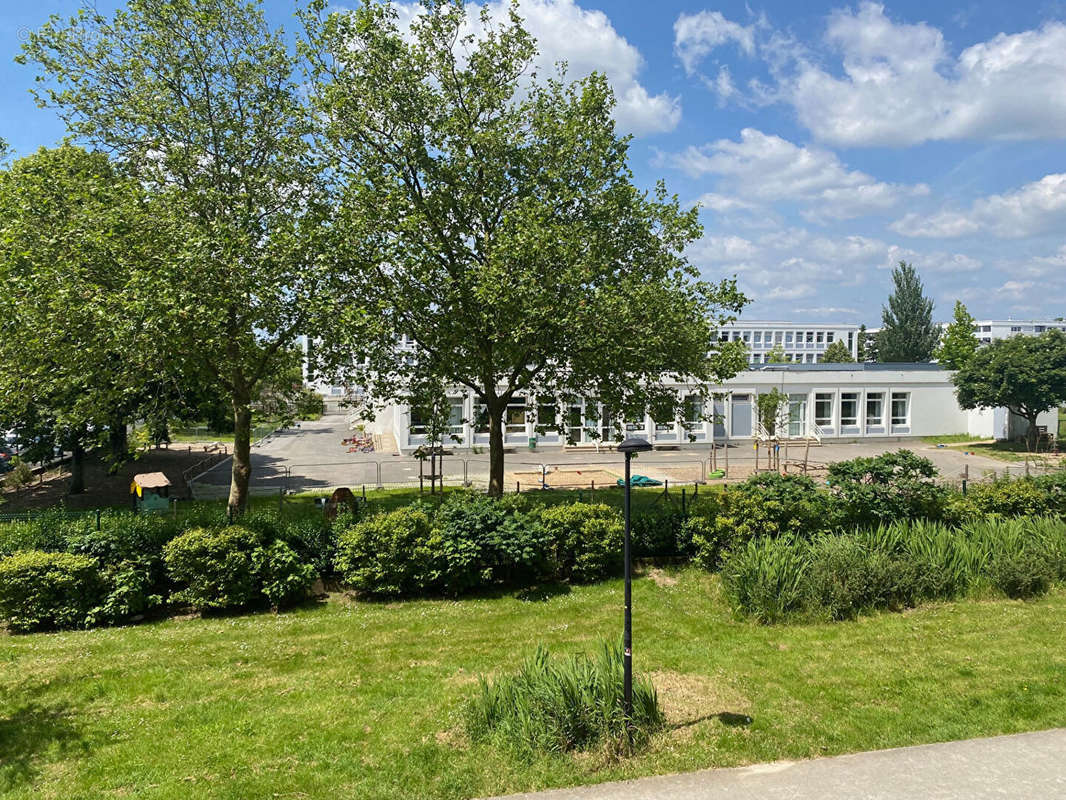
765 168
588 42
894 83
697 35
1032 209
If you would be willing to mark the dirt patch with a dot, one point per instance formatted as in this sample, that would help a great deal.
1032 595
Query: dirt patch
661 578
567 478
690 700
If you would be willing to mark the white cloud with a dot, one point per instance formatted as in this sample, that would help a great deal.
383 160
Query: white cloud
696 35
765 168
897 83
588 42
1033 209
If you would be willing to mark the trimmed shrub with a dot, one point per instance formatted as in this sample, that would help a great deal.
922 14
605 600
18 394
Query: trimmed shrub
772 505
389 555
41 590
655 532
584 540
483 541
216 568
886 488
285 578
1009 498
556 706
766 578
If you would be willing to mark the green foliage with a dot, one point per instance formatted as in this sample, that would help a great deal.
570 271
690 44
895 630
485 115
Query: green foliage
702 539
1010 498
585 540
1026 374
285 579
480 540
389 554
771 505
893 566
47 590
776 355
20 475
838 353
770 405
892 486
215 568
765 578
959 342
907 331
558 706
522 257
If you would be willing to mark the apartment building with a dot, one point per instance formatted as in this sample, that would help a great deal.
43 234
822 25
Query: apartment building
988 330
802 343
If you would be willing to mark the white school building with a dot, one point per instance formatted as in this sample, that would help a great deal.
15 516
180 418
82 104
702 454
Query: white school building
801 342
841 402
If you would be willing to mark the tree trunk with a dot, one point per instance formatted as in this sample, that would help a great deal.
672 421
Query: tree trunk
77 468
119 441
1031 435
496 450
242 452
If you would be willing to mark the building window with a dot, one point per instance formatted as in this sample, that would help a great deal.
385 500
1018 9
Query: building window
851 340
823 409
455 415
819 337
810 337
900 408
986 329
777 337
788 338
1039 329
693 411
758 337
547 416
1015 328
849 408
875 408
747 336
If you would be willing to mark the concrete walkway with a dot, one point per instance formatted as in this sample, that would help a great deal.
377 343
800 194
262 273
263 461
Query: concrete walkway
1028 766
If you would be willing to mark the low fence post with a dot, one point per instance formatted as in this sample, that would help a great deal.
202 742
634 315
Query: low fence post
98 519
380 485
684 510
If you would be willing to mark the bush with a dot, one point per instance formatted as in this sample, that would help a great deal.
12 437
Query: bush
655 532
704 540
585 540
845 577
1009 498
1023 573
557 706
483 541
217 568
886 488
772 505
284 577
766 578
389 554
47 590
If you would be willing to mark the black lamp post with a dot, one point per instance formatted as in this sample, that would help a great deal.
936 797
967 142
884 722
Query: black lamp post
630 446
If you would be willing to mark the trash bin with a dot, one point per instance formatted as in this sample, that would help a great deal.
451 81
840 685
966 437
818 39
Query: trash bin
533 442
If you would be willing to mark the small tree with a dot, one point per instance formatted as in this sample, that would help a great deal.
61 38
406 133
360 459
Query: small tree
770 406
1025 374
776 355
837 353
907 330
861 344
959 342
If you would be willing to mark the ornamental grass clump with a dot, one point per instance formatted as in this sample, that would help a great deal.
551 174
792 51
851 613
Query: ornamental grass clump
561 705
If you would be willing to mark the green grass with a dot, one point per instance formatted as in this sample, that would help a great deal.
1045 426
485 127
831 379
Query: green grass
1003 451
949 438
364 700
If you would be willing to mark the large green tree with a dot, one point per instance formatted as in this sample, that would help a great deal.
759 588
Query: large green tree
1025 374
907 331
497 217
204 103
79 355
959 342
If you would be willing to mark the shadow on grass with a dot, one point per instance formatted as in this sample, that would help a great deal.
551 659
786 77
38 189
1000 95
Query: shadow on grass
543 592
727 718
30 732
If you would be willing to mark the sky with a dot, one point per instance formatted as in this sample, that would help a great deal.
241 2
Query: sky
824 142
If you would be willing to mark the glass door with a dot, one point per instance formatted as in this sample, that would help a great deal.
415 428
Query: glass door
797 415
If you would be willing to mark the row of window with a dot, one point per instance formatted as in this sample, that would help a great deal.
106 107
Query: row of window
790 358
785 338
849 408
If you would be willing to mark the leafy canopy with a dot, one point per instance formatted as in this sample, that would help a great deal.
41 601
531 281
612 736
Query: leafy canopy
959 341
837 353
494 215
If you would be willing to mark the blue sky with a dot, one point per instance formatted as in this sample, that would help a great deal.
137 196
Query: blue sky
825 142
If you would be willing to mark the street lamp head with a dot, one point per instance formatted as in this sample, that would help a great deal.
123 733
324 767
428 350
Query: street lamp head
634 444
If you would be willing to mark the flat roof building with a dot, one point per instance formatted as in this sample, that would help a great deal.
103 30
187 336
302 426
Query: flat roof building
801 342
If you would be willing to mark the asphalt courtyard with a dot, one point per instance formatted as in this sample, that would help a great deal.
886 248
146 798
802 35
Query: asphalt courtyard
312 457
1027 766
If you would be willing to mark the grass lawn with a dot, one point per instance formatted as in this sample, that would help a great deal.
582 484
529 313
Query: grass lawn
362 700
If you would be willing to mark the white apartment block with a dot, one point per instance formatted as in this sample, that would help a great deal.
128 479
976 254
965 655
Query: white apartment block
803 343
988 330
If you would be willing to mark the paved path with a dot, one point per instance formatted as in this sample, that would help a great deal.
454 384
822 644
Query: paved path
1028 766
312 457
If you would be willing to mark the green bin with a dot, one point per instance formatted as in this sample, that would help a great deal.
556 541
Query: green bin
533 442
